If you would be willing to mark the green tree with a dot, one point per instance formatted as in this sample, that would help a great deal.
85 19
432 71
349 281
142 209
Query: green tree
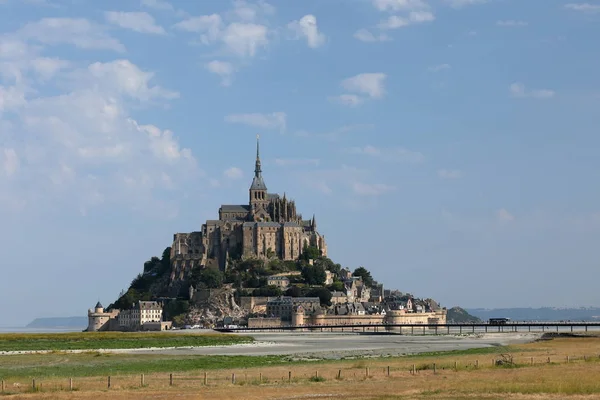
269 291
310 253
364 274
212 278
323 294
314 275
293 291
336 286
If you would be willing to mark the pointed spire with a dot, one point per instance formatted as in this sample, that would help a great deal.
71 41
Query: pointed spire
257 169
314 223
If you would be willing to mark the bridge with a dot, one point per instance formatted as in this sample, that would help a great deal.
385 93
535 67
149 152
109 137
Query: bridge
431 329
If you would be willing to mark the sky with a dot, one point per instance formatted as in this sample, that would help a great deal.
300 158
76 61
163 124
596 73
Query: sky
448 146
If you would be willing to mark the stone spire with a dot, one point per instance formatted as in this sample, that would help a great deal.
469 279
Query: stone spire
258 183
257 167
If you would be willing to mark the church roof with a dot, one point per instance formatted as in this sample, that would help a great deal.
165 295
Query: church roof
262 224
258 183
291 225
235 208
271 196
99 305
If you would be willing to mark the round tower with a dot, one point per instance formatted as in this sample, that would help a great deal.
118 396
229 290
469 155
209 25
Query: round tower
298 316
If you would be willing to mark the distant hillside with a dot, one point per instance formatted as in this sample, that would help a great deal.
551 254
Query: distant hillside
460 316
539 314
59 322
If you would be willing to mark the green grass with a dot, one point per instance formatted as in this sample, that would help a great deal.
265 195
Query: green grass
467 352
113 340
102 364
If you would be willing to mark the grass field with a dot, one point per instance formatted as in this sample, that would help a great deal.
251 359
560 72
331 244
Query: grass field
459 375
112 340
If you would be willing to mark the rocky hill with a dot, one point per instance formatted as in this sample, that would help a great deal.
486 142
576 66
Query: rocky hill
461 316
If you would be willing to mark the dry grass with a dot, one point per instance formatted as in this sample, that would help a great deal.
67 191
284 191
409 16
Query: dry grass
577 379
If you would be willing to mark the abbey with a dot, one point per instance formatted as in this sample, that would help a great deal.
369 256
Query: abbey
267 227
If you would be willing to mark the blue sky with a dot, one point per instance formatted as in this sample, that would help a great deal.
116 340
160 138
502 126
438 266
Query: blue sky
449 146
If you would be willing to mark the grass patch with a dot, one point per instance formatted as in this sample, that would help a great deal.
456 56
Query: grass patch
112 340
467 352
88 365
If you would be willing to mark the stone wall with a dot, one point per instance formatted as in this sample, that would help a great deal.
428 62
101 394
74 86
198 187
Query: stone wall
264 322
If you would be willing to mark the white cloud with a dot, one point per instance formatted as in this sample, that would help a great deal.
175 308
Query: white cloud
289 162
503 216
370 84
275 120
11 98
307 27
46 67
464 3
371 189
239 38
439 67
122 76
449 174
78 32
351 100
583 7
81 146
250 12
222 68
10 161
245 39
365 35
233 173
511 23
141 22
391 154
414 17
157 4
209 25
518 90
399 5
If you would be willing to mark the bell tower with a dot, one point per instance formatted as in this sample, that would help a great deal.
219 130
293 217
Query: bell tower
258 190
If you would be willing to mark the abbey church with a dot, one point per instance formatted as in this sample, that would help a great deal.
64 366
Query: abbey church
268 226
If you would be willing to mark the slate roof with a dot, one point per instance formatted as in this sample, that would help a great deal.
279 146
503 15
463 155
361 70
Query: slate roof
239 208
262 224
99 305
258 183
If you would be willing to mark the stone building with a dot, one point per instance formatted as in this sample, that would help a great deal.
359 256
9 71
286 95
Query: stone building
267 226
100 320
140 315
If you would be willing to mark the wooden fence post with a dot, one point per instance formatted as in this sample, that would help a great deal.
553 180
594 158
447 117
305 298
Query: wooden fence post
71 384
233 378
414 371
532 361
2 384
108 382
567 359
317 374
142 381
289 376
205 378
260 378
455 366
367 372
33 384
171 379
388 370
434 368
476 363
339 374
